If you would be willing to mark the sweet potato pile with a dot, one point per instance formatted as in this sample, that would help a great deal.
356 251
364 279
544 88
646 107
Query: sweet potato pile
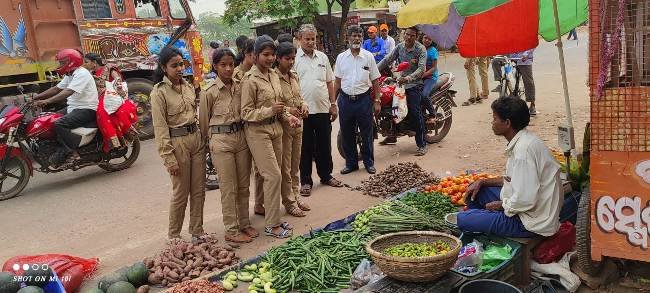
182 261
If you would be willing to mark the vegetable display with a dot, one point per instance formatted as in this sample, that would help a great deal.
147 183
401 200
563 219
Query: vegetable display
455 187
435 205
396 179
418 249
399 216
182 261
323 262
361 221
260 276
200 286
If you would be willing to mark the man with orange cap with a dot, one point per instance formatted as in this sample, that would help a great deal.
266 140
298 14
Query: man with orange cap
388 40
375 44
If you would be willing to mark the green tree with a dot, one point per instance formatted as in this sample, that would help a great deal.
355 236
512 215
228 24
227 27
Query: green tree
291 13
213 28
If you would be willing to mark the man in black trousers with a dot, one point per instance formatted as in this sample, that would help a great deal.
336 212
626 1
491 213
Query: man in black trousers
317 88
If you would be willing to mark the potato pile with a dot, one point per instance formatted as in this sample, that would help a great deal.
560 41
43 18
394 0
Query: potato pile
396 179
200 286
182 261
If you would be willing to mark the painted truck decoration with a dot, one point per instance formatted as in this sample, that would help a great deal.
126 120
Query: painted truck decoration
127 33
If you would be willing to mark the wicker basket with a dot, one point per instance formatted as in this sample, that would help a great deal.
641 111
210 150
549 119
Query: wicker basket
420 269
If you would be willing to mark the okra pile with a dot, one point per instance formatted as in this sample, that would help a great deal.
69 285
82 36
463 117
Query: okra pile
323 262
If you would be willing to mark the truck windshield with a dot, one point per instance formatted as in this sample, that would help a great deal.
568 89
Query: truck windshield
176 9
147 9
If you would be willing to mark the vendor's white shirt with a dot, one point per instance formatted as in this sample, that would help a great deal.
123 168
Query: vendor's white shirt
534 191
85 91
356 72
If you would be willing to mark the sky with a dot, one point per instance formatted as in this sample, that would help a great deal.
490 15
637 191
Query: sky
201 6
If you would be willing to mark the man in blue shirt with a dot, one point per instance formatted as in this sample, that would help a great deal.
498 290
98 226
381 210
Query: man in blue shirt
375 44
430 76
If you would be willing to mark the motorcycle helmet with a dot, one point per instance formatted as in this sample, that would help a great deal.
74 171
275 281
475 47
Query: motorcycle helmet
69 60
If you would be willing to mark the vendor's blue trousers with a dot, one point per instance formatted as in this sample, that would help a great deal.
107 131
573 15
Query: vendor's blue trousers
478 219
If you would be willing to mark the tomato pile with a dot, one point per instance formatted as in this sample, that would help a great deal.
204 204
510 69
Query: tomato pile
455 187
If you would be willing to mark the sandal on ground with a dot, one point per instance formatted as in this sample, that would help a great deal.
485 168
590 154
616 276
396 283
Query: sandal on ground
250 232
303 206
282 234
286 225
259 210
471 101
305 190
238 238
295 211
334 182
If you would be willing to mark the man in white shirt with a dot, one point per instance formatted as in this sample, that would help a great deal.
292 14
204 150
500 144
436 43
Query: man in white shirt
388 40
526 201
317 89
356 71
78 88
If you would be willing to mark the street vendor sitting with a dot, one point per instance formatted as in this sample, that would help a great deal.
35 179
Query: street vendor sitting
526 201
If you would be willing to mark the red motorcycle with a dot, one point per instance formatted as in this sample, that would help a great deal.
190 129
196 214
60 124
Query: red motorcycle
27 138
437 124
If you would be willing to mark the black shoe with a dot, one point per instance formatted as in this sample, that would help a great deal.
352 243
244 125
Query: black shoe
371 170
388 140
348 170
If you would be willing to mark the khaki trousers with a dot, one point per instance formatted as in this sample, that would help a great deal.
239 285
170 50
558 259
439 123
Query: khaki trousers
483 64
265 143
234 157
292 144
290 187
190 153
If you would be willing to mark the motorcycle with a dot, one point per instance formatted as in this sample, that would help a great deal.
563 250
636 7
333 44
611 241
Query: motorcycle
437 124
27 137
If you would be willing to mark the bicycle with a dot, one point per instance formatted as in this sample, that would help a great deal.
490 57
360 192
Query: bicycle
509 84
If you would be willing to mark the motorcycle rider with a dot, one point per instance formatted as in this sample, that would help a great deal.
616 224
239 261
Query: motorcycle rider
79 89
415 54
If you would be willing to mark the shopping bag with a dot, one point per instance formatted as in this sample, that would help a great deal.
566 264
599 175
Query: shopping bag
115 93
400 107
70 270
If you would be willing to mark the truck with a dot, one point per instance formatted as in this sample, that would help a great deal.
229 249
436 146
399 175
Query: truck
126 33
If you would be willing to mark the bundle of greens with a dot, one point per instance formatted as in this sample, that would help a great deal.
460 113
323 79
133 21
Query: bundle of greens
435 205
399 216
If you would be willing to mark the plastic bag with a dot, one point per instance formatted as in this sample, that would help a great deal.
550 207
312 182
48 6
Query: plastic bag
365 273
70 270
495 255
553 248
469 257
400 107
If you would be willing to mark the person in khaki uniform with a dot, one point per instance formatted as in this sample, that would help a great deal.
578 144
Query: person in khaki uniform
173 107
261 109
483 64
222 126
292 137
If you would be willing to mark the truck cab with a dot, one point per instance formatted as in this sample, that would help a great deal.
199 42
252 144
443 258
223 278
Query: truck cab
126 33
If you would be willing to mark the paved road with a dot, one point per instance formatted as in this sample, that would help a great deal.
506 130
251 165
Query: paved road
122 217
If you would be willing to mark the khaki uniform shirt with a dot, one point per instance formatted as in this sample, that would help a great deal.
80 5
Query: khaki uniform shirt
290 92
221 105
171 108
239 72
258 94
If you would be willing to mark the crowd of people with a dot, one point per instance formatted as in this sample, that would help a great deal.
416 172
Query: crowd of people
268 115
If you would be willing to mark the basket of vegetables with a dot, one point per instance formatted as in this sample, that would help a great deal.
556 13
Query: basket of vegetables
414 256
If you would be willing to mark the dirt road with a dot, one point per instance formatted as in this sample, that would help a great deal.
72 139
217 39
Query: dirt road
122 217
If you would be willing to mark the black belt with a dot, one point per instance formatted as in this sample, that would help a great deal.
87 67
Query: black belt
270 120
355 97
183 130
227 129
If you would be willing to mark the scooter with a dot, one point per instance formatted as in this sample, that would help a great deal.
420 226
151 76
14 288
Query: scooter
27 139
437 124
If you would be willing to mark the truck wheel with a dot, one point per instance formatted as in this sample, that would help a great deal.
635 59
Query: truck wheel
139 90
583 235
